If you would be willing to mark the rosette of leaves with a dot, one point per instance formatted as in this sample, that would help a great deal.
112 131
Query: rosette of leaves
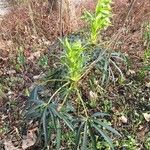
53 121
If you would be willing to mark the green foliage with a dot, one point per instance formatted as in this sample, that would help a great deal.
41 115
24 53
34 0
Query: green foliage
147 141
43 61
130 143
73 58
20 59
108 63
146 58
100 20
142 73
147 34
62 104
92 127
65 87
50 116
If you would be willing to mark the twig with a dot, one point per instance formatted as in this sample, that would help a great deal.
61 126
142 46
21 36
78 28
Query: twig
32 18
61 23
114 39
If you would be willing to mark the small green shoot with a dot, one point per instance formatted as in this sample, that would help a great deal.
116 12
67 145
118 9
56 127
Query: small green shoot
20 59
100 20
74 59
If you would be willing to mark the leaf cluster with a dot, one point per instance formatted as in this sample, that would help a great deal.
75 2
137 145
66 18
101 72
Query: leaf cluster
52 120
100 20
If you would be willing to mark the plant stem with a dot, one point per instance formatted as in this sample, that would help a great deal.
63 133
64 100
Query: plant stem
56 93
64 101
83 104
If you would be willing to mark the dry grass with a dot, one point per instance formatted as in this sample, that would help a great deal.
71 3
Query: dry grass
34 25
27 27
128 21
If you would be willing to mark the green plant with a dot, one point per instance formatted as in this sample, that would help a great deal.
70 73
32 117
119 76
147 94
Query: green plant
147 56
147 34
20 59
143 71
43 61
74 59
147 141
67 89
51 117
130 143
60 103
100 20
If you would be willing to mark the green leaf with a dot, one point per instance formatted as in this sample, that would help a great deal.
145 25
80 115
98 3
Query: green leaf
33 113
92 136
103 135
33 101
105 71
78 135
67 121
107 127
34 94
121 74
85 136
99 114
58 136
44 124
53 118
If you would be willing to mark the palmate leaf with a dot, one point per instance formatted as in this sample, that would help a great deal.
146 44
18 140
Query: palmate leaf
34 100
33 113
103 135
34 94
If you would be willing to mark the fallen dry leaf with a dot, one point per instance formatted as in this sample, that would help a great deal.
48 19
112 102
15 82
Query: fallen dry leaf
29 140
147 116
123 119
34 55
148 84
9 145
